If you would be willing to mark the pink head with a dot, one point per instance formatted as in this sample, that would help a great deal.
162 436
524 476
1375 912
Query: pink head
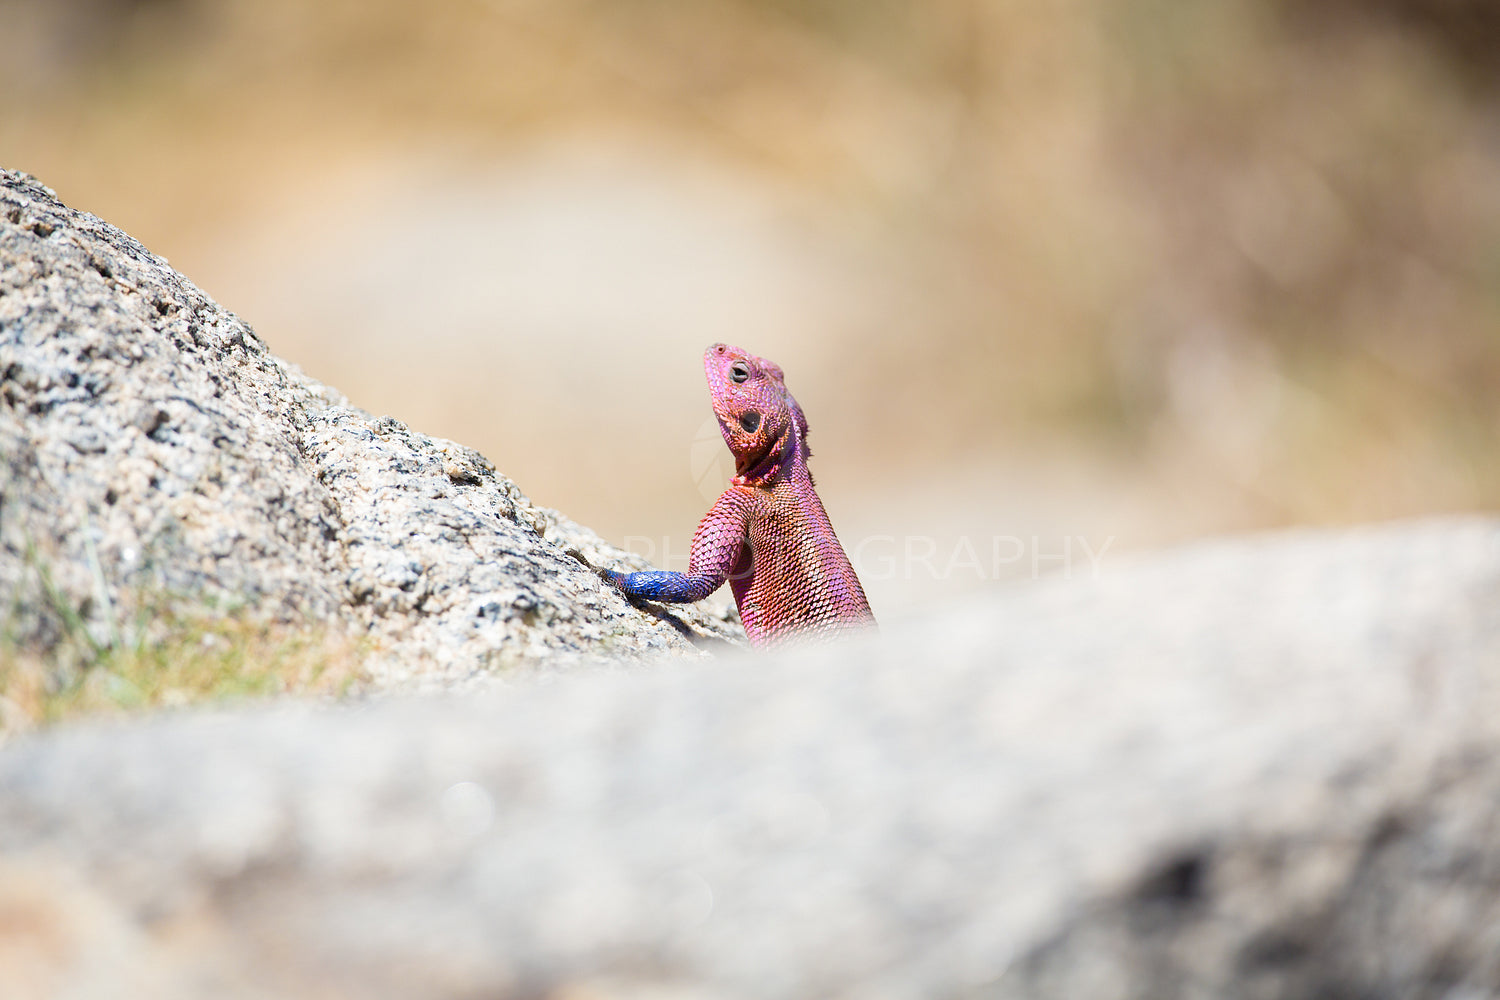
761 422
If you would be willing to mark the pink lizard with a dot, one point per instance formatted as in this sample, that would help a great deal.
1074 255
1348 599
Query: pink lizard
768 534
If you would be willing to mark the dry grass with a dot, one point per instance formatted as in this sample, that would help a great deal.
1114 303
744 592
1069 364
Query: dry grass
188 660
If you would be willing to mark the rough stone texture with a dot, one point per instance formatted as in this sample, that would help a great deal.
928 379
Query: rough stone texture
1262 768
151 446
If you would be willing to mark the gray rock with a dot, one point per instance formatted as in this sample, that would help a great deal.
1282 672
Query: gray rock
152 448
1261 768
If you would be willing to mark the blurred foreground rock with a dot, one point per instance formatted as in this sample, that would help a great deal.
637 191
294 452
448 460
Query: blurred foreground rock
152 449
1264 768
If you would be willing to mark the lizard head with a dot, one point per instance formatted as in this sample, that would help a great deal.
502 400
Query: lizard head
761 422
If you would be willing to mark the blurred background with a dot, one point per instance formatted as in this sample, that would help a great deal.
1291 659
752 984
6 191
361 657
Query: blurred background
1048 278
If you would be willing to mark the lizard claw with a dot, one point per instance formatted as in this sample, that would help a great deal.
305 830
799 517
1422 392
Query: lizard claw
613 578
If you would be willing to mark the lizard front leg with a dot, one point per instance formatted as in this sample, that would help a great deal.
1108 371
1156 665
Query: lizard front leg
716 549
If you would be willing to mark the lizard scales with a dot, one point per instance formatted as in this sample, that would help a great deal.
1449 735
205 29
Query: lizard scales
768 534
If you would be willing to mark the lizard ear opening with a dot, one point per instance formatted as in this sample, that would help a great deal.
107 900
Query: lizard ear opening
750 422
801 424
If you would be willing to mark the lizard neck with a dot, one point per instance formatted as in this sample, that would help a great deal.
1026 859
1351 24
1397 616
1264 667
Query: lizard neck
786 457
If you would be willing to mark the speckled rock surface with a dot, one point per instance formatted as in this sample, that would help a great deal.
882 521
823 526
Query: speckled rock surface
1260 768
151 445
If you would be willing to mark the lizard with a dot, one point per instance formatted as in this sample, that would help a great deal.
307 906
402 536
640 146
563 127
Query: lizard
768 534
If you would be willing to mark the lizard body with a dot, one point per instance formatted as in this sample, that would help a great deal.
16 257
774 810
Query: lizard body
768 534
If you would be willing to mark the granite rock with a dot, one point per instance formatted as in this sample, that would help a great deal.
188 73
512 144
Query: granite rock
152 448
1251 769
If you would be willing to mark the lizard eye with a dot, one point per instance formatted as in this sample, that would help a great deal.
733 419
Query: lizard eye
750 422
739 373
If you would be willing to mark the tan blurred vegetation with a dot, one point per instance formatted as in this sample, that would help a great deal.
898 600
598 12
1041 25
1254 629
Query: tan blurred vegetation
1109 267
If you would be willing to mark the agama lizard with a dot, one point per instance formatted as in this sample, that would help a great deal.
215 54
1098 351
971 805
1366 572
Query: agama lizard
768 534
